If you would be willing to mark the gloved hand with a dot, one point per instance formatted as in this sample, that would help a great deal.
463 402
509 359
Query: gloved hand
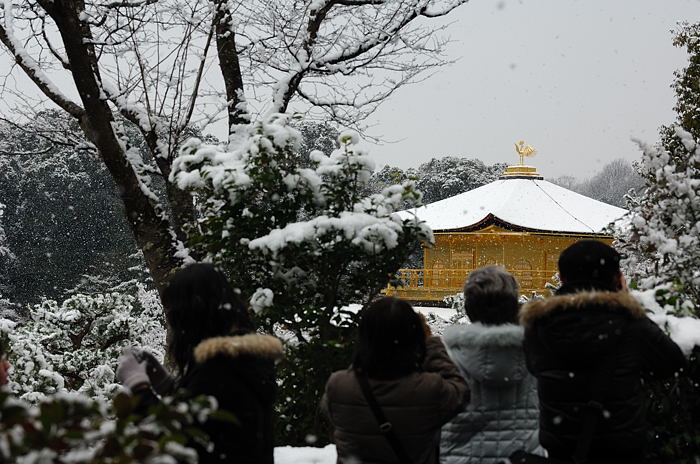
161 380
132 368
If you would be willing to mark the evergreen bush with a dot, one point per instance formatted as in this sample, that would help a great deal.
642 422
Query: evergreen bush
75 345
301 244
661 247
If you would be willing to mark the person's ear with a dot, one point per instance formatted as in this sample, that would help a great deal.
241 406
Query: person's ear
619 283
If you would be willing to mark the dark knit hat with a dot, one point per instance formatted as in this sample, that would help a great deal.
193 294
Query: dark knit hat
589 262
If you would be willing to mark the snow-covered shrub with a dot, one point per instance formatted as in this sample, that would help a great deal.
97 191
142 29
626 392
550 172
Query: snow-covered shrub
74 345
72 428
684 330
298 242
661 246
675 402
661 240
455 301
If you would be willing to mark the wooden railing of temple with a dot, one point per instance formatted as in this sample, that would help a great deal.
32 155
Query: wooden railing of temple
436 284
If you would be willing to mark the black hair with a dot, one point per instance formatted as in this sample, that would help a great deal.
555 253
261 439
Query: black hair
590 264
200 303
391 340
491 296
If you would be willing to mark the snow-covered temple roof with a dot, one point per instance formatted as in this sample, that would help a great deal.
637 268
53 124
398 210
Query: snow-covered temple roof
520 200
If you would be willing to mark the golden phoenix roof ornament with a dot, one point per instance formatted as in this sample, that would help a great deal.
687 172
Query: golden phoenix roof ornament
524 150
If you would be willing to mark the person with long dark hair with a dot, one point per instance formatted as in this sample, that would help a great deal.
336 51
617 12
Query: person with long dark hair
389 405
216 352
502 416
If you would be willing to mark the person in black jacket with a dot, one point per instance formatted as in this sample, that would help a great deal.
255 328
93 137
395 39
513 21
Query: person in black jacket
590 347
216 352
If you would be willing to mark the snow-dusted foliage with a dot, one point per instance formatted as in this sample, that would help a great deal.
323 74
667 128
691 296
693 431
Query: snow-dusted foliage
661 238
684 330
663 241
7 258
71 428
305 235
440 178
661 244
5 253
74 345
61 202
299 243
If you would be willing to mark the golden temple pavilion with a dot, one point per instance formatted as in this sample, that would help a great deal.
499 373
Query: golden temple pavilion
520 221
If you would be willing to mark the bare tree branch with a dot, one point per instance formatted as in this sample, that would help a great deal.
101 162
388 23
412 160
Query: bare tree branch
31 67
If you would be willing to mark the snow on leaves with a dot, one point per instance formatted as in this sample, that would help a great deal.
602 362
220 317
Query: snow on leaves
75 345
662 237
297 233
664 222
71 428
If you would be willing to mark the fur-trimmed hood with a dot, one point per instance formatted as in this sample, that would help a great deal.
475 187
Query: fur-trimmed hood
476 335
615 301
489 354
262 346
580 328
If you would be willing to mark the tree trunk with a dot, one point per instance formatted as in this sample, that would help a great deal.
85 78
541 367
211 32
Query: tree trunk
150 227
181 203
228 62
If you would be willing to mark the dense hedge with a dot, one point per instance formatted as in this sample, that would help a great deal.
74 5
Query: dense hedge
674 415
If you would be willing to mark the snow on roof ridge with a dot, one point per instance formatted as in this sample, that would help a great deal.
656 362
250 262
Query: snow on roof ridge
529 203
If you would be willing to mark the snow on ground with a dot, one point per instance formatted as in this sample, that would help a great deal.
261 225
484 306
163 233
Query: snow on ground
308 455
443 313
438 318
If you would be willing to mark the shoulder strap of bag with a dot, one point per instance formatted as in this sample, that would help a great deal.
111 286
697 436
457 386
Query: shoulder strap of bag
593 410
385 426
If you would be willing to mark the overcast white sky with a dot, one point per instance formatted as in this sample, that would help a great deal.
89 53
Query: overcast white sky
576 79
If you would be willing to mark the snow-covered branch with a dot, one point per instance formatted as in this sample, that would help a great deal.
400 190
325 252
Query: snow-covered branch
30 66
360 51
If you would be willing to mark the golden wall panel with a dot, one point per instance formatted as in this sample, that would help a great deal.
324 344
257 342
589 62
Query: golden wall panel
531 257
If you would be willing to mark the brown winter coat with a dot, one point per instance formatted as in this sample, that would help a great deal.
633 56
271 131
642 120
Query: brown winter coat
417 406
